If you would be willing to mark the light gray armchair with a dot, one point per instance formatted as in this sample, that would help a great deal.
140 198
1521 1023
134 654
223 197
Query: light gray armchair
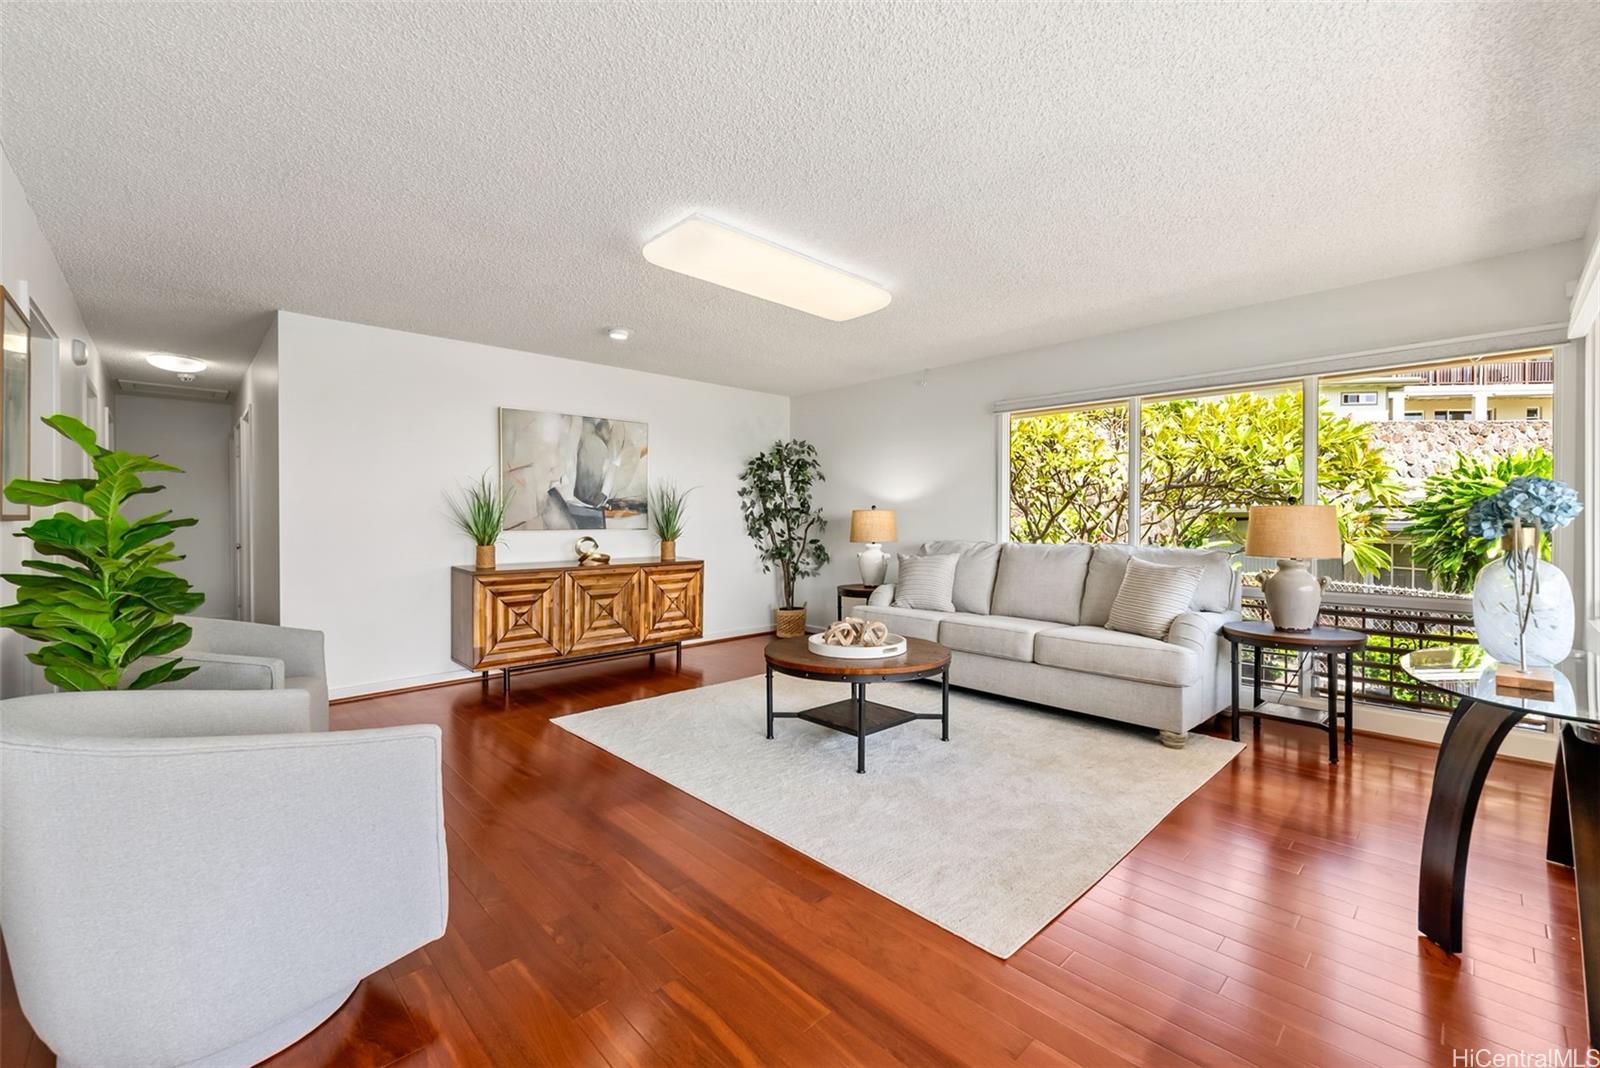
245 656
197 878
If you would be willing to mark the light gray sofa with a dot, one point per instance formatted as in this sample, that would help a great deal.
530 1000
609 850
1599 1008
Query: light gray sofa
1030 624
194 877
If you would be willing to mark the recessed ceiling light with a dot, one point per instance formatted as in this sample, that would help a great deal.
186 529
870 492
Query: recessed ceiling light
619 333
171 361
712 252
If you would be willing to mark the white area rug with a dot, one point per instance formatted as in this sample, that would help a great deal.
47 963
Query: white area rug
989 835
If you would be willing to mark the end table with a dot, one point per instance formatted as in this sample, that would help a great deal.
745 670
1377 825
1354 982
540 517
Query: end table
1329 641
852 589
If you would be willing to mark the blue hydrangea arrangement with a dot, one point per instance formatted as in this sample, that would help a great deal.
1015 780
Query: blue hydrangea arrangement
1531 500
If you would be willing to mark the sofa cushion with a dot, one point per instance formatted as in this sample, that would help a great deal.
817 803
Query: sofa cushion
926 582
1218 580
906 622
1097 651
1041 581
1151 597
1007 637
974 571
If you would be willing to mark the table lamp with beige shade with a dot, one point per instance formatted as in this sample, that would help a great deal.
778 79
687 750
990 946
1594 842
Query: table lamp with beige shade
1294 534
872 526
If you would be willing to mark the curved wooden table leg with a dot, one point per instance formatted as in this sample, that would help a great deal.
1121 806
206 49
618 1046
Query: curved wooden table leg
1470 742
1580 770
1558 842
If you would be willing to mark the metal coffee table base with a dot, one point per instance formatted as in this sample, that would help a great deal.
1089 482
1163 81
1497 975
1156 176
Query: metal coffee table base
861 717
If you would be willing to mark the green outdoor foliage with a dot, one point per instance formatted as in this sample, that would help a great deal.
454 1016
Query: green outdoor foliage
1438 520
479 511
775 497
1069 476
1202 464
668 508
105 601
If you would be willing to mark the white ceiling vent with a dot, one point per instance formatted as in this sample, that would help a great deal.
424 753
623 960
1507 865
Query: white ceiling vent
172 389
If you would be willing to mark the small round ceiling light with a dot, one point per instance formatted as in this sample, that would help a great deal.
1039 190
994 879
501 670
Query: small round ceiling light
171 361
619 333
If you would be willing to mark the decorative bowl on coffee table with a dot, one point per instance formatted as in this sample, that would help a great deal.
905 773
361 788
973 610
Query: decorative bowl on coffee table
893 645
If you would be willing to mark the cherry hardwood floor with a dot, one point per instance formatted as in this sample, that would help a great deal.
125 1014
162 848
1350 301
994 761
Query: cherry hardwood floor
599 916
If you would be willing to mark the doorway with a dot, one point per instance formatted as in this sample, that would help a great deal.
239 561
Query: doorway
243 584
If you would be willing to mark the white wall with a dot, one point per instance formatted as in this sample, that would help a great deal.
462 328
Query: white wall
255 410
27 264
194 435
377 424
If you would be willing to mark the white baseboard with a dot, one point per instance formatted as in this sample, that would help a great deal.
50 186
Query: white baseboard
417 682
1535 745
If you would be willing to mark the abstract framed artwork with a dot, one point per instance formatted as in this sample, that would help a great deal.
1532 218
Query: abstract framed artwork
573 472
15 372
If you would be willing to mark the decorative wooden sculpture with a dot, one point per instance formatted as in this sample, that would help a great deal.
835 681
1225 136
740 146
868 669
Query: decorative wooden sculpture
853 631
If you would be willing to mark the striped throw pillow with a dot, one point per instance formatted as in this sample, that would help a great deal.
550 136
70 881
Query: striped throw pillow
1151 597
927 582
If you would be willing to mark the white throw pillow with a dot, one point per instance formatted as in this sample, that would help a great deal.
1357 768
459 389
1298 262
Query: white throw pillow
1151 597
927 582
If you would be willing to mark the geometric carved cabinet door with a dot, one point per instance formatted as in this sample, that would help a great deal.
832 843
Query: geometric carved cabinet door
601 610
519 617
672 603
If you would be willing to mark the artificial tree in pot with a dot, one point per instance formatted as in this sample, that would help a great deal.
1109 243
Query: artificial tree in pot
779 516
97 599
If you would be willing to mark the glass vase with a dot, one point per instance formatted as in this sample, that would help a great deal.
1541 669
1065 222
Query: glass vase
1522 606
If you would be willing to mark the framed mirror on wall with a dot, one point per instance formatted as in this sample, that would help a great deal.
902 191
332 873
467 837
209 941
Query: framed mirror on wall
15 372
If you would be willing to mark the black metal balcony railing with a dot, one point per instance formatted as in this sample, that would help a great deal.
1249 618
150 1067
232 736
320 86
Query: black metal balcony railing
1394 629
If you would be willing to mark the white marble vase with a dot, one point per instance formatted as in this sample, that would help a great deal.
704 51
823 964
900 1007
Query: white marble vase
1497 609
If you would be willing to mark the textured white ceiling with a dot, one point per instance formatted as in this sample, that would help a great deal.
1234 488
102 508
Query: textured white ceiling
1017 175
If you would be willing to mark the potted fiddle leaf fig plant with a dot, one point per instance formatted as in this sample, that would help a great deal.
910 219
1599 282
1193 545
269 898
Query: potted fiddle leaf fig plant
479 510
668 506
96 596
780 517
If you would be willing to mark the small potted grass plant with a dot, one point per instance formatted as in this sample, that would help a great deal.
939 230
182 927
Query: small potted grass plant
479 510
668 506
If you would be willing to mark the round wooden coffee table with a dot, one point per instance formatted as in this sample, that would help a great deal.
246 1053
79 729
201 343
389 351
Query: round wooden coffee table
857 715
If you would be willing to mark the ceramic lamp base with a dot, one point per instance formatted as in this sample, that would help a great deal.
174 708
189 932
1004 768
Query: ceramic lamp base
1294 596
874 564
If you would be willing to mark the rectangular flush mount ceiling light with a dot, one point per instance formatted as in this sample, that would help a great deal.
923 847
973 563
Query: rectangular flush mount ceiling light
726 257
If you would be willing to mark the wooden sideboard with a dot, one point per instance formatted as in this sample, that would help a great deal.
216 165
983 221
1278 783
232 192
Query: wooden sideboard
541 615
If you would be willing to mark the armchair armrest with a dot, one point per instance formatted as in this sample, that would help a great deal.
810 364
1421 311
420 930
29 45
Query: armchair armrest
1199 630
222 671
300 650
882 597
257 873
157 713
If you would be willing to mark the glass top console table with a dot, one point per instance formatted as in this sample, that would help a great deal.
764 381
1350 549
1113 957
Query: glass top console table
1483 717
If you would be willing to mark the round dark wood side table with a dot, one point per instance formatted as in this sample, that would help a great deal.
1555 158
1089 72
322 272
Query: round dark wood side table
852 589
1329 641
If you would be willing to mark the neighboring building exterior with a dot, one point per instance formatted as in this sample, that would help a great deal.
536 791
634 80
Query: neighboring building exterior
1490 390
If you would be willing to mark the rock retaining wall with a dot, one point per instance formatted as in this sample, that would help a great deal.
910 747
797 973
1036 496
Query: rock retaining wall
1418 448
